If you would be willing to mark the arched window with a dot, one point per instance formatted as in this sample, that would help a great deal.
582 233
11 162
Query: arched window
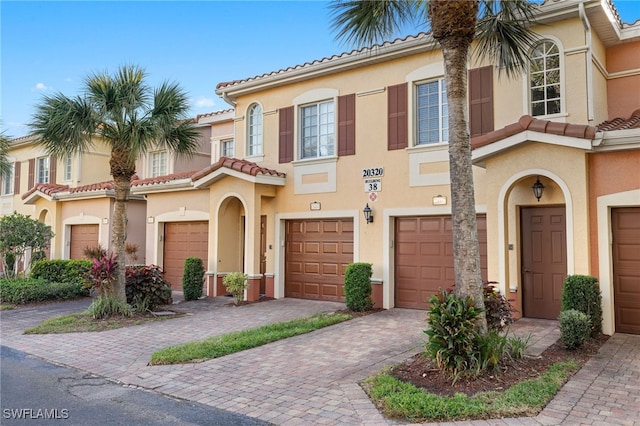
544 79
254 130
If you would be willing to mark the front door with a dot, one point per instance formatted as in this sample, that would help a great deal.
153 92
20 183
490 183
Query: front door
544 260
263 253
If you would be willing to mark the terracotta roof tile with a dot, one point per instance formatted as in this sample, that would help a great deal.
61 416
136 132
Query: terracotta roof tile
99 186
242 166
319 61
527 122
214 113
45 188
619 123
163 179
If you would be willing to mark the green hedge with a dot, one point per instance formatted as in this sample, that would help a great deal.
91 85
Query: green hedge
582 293
62 271
27 290
192 278
357 287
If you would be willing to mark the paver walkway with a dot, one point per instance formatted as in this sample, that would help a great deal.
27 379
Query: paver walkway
313 378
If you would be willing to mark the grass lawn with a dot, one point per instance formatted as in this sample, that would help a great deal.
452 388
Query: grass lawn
397 399
83 321
216 347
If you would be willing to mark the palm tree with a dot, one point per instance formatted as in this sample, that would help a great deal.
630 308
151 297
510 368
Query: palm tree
5 166
501 29
132 118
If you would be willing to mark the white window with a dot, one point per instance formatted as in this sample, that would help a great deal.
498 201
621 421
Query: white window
544 79
254 130
43 170
68 167
226 148
432 113
158 163
317 130
7 181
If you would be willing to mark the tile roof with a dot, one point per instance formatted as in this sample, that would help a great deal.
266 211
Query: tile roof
100 186
163 179
354 52
242 166
214 113
46 188
527 122
633 122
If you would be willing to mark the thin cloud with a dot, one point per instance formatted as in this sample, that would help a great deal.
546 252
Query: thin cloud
203 102
41 87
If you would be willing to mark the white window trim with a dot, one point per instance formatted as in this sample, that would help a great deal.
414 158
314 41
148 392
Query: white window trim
248 154
223 142
307 98
167 165
12 179
526 98
423 74
47 174
414 101
335 128
68 168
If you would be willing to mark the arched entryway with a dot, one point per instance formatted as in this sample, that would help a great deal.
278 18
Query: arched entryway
231 235
536 235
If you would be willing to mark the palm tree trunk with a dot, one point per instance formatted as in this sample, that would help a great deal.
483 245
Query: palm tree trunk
453 24
119 236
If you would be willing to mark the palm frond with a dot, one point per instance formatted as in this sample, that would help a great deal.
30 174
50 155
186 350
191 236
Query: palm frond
365 22
5 165
64 125
504 35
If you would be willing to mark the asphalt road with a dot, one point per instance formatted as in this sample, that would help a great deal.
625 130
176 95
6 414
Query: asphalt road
36 392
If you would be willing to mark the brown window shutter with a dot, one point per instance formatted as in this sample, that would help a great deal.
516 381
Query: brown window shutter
53 165
16 178
32 172
397 124
480 101
285 141
347 124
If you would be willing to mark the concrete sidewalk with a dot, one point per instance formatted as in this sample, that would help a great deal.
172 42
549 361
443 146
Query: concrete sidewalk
313 378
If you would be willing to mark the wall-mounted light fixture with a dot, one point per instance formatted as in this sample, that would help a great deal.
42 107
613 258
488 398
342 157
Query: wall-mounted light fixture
105 220
538 189
315 205
150 219
368 214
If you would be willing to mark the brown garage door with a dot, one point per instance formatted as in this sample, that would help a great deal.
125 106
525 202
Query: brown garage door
182 240
317 255
424 258
626 268
82 236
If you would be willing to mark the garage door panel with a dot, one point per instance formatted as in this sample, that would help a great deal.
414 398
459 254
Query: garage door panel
625 224
424 258
82 236
328 250
183 240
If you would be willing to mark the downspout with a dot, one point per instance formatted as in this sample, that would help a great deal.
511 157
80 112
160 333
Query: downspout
588 61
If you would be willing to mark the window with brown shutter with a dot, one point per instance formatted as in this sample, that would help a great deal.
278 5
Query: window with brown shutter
480 101
347 124
16 178
32 172
397 124
285 141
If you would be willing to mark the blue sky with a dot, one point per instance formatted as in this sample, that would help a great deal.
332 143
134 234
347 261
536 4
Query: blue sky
50 47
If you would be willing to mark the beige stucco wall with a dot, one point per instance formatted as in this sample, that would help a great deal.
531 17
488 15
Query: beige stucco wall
623 65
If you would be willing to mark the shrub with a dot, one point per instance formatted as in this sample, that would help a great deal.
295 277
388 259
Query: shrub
146 287
27 290
236 284
357 287
574 328
498 310
452 333
107 305
66 271
490 348
516 346
192 277
582 293
94 252
102 273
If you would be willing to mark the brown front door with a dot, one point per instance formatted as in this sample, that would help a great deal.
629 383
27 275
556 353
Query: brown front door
82 236
544 260
317 254
625 226
424 258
